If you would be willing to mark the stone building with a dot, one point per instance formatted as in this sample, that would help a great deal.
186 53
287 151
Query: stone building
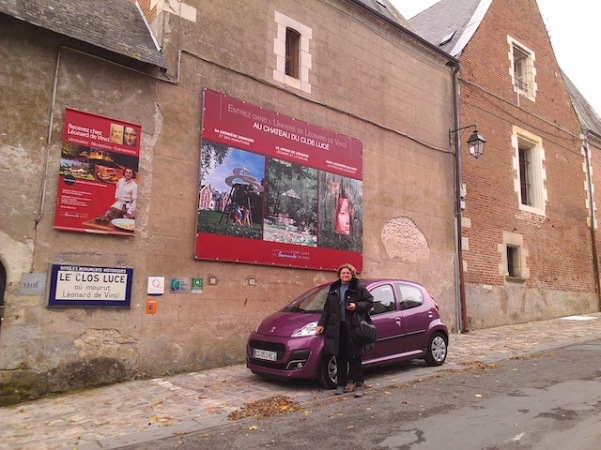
69 69
528 250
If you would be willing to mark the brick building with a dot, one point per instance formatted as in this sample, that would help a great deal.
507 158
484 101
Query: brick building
528 251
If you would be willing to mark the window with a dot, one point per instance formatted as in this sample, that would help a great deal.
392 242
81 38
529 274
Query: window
292 52
383 299
514 256
522 69
530 173
411 296
525 175
513 261
446 39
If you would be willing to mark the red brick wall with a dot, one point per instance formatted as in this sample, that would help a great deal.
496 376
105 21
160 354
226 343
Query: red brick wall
149 13
594 146
559 243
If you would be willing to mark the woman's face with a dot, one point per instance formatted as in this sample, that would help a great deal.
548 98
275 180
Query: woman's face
130 136
345 275
343 220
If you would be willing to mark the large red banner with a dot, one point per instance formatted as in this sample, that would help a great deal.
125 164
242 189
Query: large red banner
275 190
98 182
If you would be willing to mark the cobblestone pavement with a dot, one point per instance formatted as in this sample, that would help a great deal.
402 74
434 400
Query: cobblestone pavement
139 411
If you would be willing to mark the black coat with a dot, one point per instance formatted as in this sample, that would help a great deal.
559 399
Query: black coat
356 293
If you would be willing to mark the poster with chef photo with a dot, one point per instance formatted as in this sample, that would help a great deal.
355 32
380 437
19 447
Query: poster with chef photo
98 175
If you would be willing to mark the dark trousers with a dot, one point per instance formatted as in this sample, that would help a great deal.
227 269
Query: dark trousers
349 366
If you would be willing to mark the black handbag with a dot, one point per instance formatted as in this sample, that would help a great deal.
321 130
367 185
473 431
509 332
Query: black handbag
363 330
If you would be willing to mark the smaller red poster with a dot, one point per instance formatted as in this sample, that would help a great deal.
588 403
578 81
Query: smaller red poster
98 175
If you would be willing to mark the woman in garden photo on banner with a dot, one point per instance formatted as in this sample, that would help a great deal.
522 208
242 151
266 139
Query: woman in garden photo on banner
237 215
344 213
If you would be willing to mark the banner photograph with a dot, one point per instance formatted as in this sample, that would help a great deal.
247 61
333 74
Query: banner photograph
98 175
275 190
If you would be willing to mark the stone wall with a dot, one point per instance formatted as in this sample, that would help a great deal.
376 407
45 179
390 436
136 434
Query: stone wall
368 80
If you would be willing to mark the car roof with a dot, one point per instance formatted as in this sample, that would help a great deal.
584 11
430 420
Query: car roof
370 281
390 280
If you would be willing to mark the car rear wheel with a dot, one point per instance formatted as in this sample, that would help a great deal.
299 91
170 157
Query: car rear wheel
436 353
328 372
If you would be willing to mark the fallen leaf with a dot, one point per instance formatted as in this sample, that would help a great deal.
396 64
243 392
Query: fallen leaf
479 365
265 408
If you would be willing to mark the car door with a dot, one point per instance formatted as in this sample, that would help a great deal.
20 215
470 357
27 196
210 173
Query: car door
387 318
415 315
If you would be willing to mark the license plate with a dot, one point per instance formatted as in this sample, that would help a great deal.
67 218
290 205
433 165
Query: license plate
265 354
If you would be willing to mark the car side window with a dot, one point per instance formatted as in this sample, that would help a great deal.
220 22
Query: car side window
411 296
383 299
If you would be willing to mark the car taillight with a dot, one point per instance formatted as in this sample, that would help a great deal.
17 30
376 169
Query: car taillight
435 304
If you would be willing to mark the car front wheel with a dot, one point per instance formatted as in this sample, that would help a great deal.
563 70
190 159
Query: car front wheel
436 353
328 372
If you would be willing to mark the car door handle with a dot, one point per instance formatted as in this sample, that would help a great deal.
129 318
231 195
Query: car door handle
398 321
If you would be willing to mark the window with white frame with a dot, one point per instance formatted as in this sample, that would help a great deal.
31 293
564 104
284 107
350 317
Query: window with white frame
291 48
530 173
522 68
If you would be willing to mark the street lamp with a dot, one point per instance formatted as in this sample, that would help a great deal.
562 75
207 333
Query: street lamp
475 142
476 148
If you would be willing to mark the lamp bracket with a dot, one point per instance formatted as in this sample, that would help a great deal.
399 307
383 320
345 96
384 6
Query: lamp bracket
462 129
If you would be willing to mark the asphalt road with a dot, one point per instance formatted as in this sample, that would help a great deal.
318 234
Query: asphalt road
548 400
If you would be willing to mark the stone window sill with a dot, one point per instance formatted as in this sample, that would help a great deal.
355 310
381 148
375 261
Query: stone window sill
515 279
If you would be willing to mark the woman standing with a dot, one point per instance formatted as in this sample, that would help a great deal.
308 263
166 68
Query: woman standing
347 298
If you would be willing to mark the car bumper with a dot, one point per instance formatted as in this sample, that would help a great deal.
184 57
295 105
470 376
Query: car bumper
297 358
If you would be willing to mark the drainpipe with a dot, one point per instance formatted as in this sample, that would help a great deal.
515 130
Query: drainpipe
461 308
593 222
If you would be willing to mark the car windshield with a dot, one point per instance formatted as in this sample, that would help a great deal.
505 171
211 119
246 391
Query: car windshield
310 302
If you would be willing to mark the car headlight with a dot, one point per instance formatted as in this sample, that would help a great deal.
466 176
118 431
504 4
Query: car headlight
307 330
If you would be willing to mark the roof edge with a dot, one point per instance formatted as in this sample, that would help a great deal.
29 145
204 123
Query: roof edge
452 59
471 27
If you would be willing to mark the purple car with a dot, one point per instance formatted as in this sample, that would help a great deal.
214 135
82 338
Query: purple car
408 326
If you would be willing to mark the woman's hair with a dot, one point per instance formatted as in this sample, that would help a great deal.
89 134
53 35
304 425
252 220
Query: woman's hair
347 266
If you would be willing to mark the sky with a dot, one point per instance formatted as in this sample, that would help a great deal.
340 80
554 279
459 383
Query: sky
251 165
572 27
